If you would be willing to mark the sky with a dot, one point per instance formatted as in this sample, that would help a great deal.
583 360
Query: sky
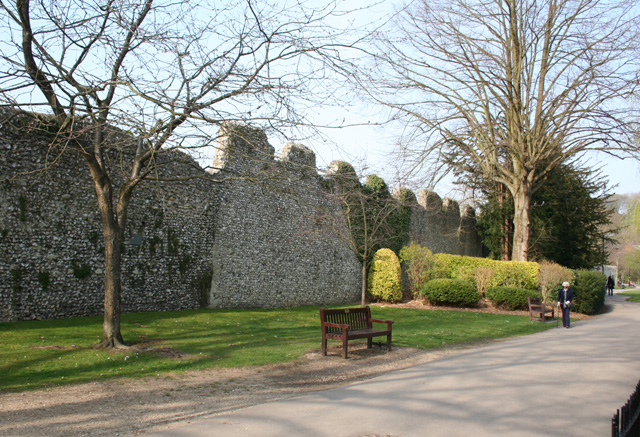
375 146
372 147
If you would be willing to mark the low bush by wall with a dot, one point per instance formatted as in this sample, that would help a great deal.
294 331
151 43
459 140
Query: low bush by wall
445 291
510 298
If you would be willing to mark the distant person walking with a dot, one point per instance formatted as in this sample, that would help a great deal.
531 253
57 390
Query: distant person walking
565 298
610 285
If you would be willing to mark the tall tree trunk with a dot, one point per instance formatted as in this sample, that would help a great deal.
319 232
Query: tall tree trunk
113 226
111 335
507 230
505 226
521 223
363 301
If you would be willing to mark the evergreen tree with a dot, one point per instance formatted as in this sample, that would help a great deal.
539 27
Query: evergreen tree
570 219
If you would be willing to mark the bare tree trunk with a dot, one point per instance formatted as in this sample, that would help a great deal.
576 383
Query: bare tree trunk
505 226
507 229
113 226
521 223
364 283
111 335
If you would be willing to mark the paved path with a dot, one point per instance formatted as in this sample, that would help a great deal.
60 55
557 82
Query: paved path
561 382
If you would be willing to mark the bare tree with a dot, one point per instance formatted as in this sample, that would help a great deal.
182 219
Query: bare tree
374 219
99 73
537 81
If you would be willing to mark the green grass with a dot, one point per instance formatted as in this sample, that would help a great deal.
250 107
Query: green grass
38 354
634 295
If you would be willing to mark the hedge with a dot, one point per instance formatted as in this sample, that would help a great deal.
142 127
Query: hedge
521 274
454 292
511 298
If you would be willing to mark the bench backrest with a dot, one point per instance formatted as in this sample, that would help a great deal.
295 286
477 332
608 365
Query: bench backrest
534 301
356 318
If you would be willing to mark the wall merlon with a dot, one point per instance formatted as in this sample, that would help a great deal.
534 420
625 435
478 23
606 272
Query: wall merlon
430 201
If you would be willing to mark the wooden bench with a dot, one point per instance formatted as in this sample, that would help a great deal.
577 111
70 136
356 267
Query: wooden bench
349 324
539 309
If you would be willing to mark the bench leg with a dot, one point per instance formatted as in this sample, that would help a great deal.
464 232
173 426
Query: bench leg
324 346
389 342
369 343
344 347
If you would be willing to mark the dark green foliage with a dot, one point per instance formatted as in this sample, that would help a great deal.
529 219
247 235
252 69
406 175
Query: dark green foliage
400 221
93 237
22 205
202 283
454 292
159 219
375 219
173 243
80 271
495 224
510 298
185 261
44 279
392 217
16 276
155 242
589 289
568 215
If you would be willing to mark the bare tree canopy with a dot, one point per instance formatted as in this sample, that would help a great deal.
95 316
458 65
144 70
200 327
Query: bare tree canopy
167 74
510 89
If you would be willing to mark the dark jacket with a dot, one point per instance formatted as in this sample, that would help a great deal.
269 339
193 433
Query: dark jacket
562 298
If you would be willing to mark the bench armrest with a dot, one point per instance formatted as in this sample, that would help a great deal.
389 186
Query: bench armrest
388 322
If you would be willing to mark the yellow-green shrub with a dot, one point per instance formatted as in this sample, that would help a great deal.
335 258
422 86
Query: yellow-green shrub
522 274
385 276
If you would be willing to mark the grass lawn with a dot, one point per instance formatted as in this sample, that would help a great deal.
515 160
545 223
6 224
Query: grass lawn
37 354
634 295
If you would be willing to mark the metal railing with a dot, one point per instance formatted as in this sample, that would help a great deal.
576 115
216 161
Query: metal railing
626 421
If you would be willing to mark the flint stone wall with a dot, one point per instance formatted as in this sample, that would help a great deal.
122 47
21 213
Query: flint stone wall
51 243
249 234
443 226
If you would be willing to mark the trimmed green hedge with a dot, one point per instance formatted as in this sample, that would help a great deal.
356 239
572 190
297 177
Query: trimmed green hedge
384 281
510 298
521 274
454 292
589 289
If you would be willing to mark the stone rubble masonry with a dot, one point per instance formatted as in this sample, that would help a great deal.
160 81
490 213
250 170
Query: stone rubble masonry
249 233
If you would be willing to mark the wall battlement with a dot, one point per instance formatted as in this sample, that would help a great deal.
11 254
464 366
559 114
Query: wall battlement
246 236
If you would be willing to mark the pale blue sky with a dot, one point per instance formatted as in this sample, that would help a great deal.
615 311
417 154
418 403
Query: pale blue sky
375 145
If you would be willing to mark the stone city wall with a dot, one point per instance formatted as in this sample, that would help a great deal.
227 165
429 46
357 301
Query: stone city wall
249 234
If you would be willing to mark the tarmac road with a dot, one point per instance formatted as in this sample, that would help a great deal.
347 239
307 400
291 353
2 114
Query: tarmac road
561 382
